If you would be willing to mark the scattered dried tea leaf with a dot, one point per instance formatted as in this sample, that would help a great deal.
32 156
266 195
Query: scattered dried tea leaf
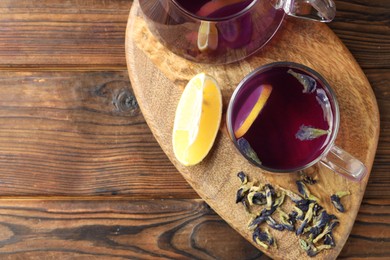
307 133
309 83
302 188
263 238
336 200
327 230
309 220
246 149
306 178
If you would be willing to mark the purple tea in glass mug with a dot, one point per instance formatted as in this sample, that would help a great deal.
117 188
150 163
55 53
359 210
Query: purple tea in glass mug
296 125
224 31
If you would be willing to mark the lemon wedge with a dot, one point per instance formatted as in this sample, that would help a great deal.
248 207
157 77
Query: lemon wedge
207 36
197 119
264 93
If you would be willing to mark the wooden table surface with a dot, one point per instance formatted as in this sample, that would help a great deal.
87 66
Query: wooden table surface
81 176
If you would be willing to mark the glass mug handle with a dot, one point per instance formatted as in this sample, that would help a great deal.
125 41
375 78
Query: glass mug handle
318 10
344 164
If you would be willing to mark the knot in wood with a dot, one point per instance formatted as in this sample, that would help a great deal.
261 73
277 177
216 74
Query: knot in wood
125 101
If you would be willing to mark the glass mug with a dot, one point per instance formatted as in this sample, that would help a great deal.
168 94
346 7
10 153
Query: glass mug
284 117
224 31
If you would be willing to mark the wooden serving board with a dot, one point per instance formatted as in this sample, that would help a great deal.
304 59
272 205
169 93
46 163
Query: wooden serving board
159 76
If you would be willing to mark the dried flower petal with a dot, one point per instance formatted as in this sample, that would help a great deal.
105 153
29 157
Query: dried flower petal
300 214
262 217
246 149
293 196
302 188
269 193
335 198
327 230
306 220
257 198
263 236
292 217
285 220
329 240
309 83
308 133
273 224
320 222
306 178
243 177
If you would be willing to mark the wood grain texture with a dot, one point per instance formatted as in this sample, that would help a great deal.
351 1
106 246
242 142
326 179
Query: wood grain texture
79 133
363 26
76 37
151 229
154 69
163 229
364 42
56 33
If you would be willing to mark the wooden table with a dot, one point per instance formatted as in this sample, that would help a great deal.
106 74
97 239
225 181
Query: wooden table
81 175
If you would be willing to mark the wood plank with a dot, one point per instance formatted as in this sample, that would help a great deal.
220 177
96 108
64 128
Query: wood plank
378 186
151 229
79 133
56 33
173 229
363 27
91 33
370 236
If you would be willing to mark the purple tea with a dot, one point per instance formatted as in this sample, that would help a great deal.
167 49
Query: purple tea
294 124
241 26
214 8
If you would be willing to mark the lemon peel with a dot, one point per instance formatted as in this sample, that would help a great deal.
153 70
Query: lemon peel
197 119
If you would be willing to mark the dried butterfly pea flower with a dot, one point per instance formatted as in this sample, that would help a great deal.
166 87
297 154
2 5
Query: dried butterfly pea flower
263 238
273 224
241 194
310 249
279 199
293 196
320 222
292 217
302 188
313 251
262 217
257 198
307 247
270 195
306 178
309 83
335 199
329 240
317 210
306 220
300 214
243 177
304 204
285 220
246 149
308 133
327 230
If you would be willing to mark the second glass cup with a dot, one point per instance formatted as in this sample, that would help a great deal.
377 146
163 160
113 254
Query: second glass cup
224 31
284 117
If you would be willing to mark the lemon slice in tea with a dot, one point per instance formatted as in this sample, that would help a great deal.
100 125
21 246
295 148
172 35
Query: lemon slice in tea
207 36
263 92
197 119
